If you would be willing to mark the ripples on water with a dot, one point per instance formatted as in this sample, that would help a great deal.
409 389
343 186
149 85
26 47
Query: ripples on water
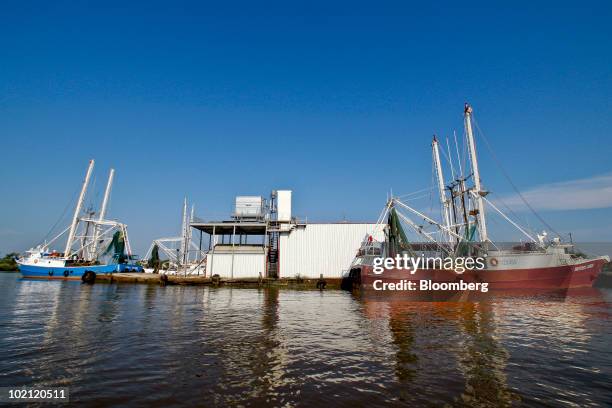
161 346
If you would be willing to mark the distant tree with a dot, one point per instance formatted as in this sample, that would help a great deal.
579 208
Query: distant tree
8 263
154 261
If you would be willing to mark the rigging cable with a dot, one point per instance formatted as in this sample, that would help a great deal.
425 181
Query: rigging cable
507 176
427 189
525 220
70 202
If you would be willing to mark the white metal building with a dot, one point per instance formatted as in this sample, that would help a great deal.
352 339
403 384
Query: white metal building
312 250
264 239
236 262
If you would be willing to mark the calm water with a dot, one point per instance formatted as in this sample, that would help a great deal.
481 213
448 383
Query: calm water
139 345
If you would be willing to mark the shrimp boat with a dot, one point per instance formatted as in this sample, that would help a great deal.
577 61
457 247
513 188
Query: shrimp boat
535 263
94 245
183 256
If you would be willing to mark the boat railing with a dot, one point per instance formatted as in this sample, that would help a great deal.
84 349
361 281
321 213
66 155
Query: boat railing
370 248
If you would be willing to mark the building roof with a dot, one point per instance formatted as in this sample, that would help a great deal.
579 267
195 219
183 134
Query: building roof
227 227
253 227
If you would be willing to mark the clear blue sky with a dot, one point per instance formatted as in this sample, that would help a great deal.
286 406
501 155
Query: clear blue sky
336 102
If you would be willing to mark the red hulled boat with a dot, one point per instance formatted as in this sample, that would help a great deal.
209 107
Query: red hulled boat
539 263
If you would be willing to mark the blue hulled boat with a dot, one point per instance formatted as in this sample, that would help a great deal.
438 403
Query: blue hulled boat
93 246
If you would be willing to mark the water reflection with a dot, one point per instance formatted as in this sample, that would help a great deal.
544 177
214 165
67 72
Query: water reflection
483 360
164 346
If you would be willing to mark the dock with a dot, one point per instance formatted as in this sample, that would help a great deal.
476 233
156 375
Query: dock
161 279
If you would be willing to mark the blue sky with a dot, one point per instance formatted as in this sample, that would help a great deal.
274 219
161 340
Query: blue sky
336 102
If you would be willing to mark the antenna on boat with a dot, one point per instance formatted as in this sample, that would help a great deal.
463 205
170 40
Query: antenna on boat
77 210
458 155
478 193
450 159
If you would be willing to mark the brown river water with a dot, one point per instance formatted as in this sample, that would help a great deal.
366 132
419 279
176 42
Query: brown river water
144 345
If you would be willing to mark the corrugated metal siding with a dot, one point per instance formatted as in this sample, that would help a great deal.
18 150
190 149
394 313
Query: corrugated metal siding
246 265
326 249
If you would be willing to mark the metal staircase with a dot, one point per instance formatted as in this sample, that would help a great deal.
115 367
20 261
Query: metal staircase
273 237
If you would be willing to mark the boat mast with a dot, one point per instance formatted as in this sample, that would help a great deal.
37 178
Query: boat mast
77 210
189 234
128 247
109 184
181 259
478 192
84 252
440 176
453 206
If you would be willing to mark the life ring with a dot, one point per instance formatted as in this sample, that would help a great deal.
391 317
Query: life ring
494 262
66 273
51 273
